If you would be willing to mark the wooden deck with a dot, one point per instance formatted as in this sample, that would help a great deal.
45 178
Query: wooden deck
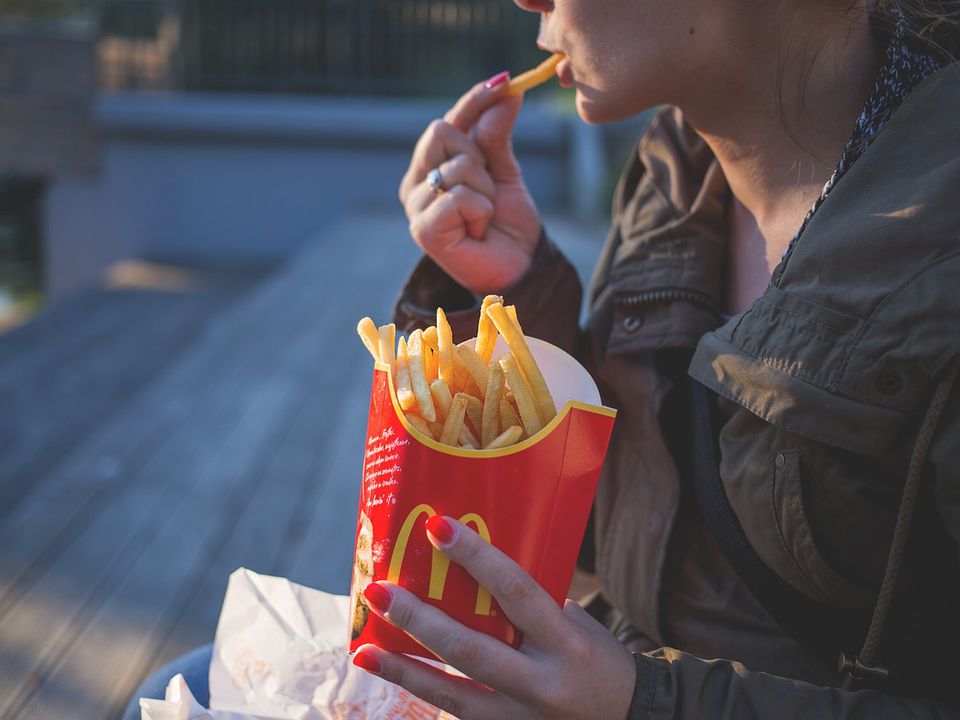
153 440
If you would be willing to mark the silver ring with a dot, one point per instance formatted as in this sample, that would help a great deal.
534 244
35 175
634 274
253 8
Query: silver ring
435 181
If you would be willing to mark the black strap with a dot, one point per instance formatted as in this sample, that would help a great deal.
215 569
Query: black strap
823 630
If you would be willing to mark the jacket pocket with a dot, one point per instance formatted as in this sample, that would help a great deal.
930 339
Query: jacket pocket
796 536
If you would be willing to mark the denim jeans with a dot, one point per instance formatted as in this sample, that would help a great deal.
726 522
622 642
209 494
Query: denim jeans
195 668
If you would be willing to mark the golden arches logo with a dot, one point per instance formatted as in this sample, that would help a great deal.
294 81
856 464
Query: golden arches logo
440 563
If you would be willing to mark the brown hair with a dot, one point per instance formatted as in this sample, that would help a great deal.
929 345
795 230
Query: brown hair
935 23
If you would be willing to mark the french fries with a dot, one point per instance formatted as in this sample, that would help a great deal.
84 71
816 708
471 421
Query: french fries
475 366
490 417
370 337
387 342
486 330
453 425
405 395
510 330
526 405
445 346
418 376
539 75
459 395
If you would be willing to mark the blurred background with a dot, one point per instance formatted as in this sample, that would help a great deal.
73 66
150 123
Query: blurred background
197 204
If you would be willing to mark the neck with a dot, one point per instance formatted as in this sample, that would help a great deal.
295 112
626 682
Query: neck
779 128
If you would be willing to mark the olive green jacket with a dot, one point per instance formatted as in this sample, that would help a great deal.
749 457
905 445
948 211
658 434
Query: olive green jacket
826 377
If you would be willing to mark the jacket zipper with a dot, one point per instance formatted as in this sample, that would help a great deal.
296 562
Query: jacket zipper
670 295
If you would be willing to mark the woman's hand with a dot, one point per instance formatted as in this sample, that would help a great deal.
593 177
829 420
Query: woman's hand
483 227
569 666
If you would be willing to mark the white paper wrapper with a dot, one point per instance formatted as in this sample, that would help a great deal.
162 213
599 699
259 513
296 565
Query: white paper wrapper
279 655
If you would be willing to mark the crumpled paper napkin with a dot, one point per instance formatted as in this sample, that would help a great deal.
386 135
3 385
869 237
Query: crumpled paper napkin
280 654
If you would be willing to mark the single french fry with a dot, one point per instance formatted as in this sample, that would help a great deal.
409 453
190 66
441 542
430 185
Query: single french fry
431 362
462 382
405 395
510 436
420 425
526 405
430 337
486 330
508 416
490 419
441 397
387 341
514 338
474 413
454 422
512 312
432 357
468 439
370 336
474 365
436 428
418 376
539 75
445 346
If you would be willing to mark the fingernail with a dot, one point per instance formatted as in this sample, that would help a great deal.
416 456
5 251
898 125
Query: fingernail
368 662
378 597
442 530
497 79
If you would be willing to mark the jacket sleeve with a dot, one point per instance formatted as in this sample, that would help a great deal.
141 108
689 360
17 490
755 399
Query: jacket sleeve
547 299
674 685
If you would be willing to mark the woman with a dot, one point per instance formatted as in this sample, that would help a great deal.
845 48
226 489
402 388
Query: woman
830 334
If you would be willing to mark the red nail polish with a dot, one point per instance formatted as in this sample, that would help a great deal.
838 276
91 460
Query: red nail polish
368 662
441 529
497 79
378 597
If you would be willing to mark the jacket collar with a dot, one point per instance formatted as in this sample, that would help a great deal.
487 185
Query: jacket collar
864 311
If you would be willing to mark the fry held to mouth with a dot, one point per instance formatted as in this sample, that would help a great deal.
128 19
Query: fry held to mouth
537 76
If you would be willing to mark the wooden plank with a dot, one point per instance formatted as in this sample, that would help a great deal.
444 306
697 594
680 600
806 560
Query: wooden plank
276 513
45 416
76 492
54 335
119 522
125 573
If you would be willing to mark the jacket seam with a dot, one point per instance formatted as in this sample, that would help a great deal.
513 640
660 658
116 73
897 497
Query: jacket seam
776 517
870 321
800 316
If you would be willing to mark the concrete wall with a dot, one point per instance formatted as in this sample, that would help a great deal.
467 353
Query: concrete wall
251 178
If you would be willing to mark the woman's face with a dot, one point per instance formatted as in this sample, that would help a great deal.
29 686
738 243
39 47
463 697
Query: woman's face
625 56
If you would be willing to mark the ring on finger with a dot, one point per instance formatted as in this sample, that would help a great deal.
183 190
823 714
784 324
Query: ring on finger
435 181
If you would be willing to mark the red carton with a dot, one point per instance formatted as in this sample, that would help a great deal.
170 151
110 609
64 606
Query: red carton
531 500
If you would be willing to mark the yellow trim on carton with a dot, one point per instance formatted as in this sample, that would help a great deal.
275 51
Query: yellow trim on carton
499 452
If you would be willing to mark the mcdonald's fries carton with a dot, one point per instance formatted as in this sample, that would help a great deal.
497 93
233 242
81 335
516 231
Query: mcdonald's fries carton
531 500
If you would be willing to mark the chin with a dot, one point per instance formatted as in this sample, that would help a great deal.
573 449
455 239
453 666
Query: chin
598 110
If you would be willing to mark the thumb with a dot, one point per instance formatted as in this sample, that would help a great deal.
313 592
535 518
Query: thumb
494 136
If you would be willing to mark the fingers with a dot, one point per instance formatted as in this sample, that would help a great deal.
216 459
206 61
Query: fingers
458 696
528 605
439 142
460 170
479 656
471 106
453 215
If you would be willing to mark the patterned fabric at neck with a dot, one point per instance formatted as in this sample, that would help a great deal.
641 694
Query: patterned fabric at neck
906 65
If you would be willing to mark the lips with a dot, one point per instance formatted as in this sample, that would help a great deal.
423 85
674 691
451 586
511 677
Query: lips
565 73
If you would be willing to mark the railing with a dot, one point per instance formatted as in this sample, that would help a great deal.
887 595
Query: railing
356 47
